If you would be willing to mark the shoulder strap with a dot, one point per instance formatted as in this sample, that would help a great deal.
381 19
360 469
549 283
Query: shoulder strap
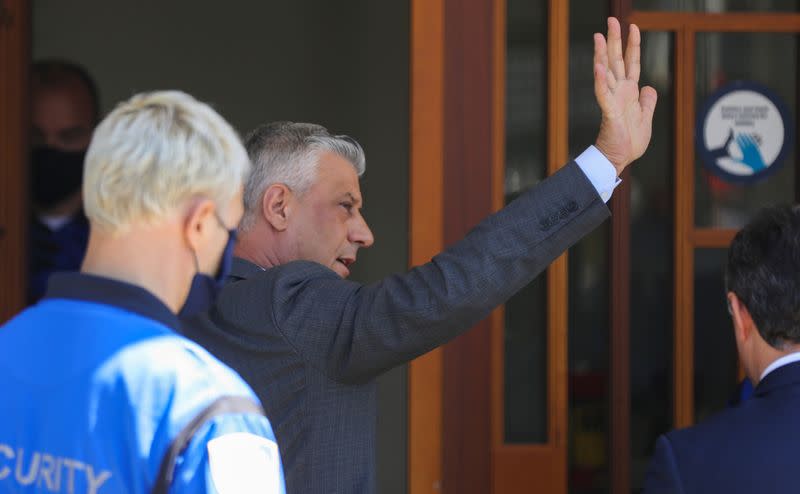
221 406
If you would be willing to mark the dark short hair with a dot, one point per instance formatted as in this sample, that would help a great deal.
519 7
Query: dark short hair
55 72
763 271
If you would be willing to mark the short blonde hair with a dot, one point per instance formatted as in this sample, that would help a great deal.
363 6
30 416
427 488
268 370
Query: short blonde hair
155 152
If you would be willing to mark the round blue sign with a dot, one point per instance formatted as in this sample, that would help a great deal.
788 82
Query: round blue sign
743 132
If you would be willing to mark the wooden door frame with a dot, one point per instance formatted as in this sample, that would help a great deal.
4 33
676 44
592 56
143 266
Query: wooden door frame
426 237
619 413
442 55
545 464
14 114
469 143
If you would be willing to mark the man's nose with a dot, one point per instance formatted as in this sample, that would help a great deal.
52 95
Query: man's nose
361 234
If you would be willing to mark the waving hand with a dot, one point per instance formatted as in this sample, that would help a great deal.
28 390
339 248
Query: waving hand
627 121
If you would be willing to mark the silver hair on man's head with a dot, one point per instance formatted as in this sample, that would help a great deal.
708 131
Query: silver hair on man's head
288 153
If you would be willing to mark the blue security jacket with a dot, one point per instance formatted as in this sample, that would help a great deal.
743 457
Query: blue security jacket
96 385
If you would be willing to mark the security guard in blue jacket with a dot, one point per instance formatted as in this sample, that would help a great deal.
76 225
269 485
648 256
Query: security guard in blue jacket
100 393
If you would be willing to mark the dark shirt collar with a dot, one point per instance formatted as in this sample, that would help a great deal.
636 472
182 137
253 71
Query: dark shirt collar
91 288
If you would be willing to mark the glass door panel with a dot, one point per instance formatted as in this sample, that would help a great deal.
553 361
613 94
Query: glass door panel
715 355
652 234
589 301
525 342
770 60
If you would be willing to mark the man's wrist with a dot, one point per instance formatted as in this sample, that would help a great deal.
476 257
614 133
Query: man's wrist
618 164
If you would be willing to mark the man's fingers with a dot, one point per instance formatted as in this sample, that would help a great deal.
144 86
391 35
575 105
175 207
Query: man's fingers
647 100
633 54
601 89
601 58
600 50
615 62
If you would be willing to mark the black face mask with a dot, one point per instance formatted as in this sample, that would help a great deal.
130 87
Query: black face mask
55 175
205 289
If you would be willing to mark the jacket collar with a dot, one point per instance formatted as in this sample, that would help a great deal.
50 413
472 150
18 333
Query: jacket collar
243 269
786 375
97 289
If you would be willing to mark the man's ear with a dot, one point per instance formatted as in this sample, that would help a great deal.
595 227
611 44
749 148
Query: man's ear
743 325
196 223
276 206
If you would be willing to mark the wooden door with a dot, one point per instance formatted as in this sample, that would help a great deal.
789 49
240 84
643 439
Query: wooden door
667 357
459 439
14 61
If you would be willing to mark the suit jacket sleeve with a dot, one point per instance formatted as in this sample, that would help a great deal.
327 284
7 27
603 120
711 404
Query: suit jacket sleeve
354 332
662 476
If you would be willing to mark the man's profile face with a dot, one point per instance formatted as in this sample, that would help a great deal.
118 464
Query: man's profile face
62 116
327 226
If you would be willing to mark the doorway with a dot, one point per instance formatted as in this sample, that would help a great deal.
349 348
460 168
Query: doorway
567 387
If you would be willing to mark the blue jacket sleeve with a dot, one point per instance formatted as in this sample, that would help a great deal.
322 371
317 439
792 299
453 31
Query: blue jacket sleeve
233 453
663 476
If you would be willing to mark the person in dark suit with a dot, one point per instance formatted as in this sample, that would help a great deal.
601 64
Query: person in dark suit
65 108
311 343
749 447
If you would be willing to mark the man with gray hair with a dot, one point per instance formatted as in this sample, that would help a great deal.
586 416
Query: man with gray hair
100 394
312 343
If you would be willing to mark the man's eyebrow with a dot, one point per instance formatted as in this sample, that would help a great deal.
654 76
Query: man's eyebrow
353 198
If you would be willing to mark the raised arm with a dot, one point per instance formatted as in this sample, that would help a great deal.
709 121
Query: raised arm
355 331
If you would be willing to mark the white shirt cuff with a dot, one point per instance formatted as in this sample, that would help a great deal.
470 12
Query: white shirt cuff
600 172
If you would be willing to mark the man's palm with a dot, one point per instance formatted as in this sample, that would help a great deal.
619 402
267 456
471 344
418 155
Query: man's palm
627 121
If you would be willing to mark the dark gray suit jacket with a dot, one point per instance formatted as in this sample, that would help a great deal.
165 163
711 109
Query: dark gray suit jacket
311 343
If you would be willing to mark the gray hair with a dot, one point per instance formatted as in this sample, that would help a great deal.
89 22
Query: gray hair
288 153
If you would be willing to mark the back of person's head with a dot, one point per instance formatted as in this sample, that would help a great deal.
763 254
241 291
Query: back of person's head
57 73
288 153
763 271
154 153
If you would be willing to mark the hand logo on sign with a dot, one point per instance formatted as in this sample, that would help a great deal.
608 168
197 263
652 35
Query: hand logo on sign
751 154
748 145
